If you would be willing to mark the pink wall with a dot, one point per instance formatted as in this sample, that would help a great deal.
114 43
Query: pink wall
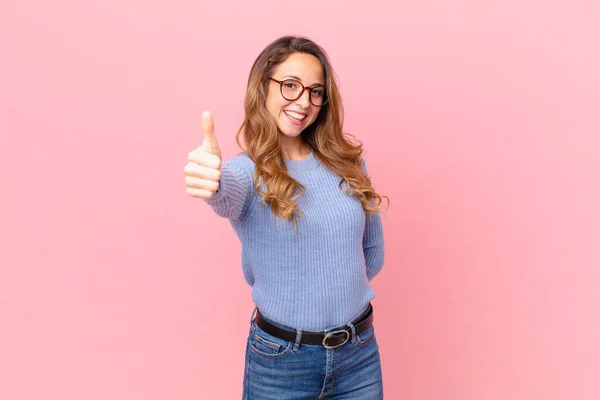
481 123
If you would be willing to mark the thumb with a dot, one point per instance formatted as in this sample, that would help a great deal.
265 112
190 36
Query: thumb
210 143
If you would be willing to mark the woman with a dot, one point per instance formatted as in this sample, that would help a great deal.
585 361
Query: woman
301 202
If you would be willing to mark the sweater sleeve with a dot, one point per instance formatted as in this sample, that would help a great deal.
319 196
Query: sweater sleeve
236 187
373 243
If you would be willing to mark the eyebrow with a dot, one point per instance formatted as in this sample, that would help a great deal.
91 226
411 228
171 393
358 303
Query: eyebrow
298 79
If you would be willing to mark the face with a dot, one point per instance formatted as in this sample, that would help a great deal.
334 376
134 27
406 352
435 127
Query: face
292 117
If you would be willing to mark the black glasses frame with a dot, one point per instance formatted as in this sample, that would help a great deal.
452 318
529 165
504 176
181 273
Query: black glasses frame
325 99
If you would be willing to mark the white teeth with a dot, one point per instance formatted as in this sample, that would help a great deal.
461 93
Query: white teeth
295 115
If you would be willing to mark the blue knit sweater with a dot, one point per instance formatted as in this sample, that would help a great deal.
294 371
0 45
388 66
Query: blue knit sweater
318 277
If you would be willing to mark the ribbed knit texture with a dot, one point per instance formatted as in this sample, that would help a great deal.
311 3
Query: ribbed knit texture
318 277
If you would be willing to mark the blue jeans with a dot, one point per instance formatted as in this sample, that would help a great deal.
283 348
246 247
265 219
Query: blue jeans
280 370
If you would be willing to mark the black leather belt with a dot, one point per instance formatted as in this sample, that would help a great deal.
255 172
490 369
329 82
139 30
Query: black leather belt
330 340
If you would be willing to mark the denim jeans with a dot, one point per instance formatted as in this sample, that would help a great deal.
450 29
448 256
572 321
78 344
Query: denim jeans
280 370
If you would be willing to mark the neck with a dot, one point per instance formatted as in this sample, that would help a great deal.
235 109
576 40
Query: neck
294 148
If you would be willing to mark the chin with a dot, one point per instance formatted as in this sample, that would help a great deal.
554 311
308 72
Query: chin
290 131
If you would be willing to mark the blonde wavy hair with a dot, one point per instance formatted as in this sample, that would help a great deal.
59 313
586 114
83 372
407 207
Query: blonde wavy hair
325 136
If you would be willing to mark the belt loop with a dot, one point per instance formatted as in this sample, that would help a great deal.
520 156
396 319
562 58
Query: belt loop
298 337
252 316
353 332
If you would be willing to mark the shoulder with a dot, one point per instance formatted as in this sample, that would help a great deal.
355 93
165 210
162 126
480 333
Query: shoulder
363 163
241 165
241 160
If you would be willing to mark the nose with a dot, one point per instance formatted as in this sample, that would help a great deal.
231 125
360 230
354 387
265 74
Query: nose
304 99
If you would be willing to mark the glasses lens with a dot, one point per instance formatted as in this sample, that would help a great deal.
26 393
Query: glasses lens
317 96
291 89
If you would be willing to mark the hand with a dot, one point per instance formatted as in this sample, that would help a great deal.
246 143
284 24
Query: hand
203 170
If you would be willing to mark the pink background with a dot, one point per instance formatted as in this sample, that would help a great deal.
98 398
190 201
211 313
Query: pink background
481 123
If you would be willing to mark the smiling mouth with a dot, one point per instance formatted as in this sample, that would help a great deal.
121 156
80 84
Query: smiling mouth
295 116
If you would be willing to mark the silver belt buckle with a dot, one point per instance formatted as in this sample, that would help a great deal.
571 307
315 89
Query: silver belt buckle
330 334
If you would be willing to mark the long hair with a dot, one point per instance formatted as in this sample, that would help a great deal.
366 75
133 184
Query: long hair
329 144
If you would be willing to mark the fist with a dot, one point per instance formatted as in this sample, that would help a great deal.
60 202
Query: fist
203 170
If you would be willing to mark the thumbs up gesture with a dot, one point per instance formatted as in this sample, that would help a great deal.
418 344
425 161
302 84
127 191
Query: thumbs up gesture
203 170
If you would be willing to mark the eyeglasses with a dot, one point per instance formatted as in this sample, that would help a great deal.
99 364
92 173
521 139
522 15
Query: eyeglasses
292 90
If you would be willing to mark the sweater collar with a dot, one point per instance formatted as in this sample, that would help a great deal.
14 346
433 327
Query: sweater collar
302 165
